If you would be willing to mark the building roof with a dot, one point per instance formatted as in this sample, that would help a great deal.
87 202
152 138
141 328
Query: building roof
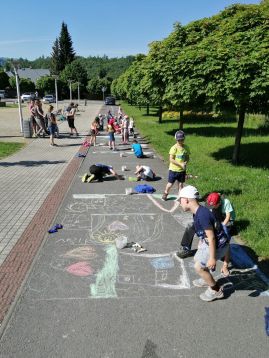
31 73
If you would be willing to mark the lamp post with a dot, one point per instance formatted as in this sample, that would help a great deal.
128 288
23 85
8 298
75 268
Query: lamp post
56 90
70 89
18 96
103 90
78 92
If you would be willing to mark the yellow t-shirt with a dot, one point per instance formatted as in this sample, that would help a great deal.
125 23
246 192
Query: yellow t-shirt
181 155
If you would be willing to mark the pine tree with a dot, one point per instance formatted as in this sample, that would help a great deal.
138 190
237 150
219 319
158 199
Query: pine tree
55 58
66 51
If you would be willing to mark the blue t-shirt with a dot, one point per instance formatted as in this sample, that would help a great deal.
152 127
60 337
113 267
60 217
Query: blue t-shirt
205 220
137 150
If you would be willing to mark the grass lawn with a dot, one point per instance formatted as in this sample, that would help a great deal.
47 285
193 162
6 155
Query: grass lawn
211 144
7 148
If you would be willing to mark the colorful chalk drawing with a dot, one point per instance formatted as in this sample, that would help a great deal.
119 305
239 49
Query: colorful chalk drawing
82 253
105 285
81 269
117 225
161 263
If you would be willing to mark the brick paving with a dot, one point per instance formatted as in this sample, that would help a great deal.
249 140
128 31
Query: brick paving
33 183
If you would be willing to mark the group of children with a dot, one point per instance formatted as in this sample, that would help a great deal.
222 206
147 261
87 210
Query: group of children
212 223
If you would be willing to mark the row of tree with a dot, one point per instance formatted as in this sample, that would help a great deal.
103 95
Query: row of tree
221 62
91 73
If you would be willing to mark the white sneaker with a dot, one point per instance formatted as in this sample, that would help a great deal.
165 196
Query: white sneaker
211 295
199 282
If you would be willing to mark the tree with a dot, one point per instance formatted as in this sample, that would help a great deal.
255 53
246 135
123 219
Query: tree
75 72
95 85
66 51
55 58
4 80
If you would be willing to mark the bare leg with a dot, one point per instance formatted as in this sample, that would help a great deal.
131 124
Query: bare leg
205 275
168 187
224 270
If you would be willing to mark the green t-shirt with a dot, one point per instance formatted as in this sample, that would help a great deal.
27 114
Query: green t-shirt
181 155
226 207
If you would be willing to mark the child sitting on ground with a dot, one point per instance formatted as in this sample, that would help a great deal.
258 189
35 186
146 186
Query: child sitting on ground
145 173
138 151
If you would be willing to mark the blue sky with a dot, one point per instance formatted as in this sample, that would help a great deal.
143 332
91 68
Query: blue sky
97 27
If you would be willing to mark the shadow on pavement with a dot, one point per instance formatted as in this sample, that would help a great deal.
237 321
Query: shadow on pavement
31 163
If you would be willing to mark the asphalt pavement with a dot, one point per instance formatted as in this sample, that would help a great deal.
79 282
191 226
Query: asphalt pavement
84 297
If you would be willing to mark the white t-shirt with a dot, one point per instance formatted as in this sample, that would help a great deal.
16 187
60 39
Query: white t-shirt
148 171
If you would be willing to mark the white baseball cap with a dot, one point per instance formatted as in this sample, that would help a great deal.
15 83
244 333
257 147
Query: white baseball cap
189 192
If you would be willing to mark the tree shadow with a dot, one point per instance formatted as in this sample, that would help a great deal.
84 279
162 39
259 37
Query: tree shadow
31 163
219 131
150 350
254 155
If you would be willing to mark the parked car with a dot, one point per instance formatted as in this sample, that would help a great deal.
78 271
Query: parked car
49 98
110 100
2 94
27 96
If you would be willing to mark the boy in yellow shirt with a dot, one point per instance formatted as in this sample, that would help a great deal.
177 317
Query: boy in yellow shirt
179 155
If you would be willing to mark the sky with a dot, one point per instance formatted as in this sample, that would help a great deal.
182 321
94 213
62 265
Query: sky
97 27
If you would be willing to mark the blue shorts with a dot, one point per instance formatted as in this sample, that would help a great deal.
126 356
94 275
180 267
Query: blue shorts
111 136
52 129
179 176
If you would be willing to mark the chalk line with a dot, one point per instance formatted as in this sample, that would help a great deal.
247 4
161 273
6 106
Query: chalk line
100 196
156 203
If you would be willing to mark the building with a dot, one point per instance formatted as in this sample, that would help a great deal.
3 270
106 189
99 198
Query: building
30 73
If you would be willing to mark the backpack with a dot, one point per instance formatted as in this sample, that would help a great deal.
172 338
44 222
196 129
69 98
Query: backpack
144 188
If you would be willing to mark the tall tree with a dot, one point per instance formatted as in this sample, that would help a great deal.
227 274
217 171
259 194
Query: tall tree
66 51
55 58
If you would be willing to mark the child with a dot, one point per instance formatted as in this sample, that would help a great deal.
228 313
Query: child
213 245
144 172
125 129
52 125
94 131
98 171
110 130
131 126
224 212
138 151
179 156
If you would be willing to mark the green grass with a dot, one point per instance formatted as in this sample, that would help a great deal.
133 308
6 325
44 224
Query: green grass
211 144
7 148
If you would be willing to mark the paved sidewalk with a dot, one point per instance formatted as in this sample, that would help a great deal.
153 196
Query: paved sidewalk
28 176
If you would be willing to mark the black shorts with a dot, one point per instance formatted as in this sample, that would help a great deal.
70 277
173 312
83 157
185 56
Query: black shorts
93 132
70 121
176 176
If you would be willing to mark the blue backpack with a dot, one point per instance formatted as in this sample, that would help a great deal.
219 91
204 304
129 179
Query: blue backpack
144 188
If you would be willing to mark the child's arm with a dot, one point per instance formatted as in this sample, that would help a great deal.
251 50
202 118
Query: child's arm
172 160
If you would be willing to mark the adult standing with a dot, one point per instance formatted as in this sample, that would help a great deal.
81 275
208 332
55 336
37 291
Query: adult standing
71 118
32 117
40 118
52 125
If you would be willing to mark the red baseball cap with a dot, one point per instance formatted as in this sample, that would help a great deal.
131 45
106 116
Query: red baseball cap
213 199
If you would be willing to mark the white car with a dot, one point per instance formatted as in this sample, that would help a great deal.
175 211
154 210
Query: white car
49 98
27 96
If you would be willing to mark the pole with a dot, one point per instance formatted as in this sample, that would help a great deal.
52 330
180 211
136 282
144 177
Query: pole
19 98
56 94
78 93
70 90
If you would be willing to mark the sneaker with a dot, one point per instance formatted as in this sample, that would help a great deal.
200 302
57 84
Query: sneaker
183 253
164 196
211 295
199 282
91 178
84 178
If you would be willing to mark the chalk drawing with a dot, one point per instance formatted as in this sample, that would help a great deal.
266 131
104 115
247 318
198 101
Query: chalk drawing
163 263
81 269
104 286
82 253
159 205
104 237
184 219
117 226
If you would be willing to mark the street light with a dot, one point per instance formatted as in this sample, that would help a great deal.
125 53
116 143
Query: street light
18 95
70 89
56 90
78 92
103 90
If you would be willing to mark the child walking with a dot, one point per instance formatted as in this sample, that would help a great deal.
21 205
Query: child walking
179 155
